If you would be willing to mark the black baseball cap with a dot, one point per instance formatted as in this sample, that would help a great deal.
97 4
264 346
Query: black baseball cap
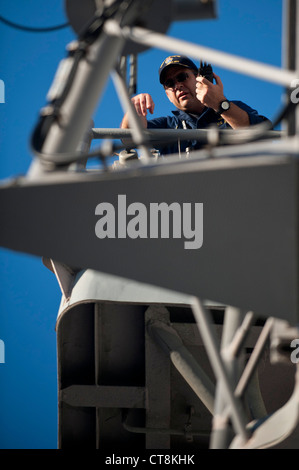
181 60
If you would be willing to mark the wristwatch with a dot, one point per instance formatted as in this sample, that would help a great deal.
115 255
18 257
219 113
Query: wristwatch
224 106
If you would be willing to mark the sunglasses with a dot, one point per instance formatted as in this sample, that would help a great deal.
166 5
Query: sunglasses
181 77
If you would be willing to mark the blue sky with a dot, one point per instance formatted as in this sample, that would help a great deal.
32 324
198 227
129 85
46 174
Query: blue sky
29 293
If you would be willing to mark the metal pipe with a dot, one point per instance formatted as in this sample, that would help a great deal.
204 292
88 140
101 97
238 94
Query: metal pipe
222 59
67 132
254 358
132 85
137 131
233 319
252 364
164 134
233 349
289 55
204 323
123 67
183 361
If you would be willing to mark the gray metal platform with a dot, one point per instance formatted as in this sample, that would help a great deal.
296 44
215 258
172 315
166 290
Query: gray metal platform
119 388
249 256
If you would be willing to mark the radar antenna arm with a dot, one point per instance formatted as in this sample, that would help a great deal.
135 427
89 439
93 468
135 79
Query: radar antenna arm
79 83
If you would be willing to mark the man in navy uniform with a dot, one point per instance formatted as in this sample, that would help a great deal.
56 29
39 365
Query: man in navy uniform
200 103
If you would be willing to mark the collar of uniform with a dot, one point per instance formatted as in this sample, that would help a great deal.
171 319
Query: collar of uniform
192 119
183 116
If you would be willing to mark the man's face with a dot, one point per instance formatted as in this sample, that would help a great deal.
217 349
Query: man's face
182 94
